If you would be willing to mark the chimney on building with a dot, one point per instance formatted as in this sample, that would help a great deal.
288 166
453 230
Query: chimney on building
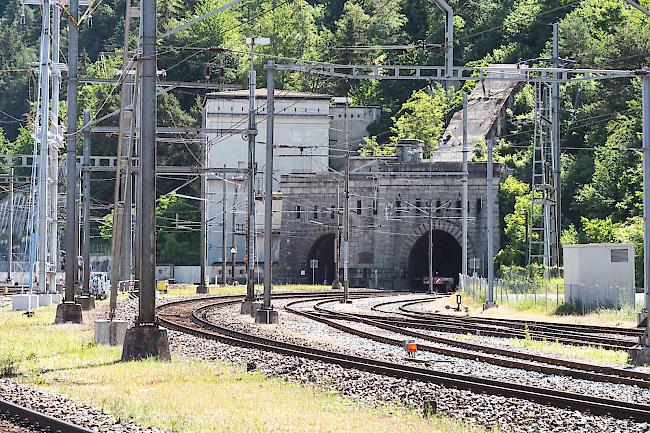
409 150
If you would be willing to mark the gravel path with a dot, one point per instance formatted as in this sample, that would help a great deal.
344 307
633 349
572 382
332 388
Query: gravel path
511 415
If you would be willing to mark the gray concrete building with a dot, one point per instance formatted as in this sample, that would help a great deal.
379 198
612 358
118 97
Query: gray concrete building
394 203
390 203
358 120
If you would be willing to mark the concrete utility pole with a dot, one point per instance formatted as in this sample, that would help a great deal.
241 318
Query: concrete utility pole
70 310
224 214
431 248
145 339
346 212
336 284
233 246
555 132
489 303
130 117
85 249
465 181
266 314
641 355
203 287
11 225
247 306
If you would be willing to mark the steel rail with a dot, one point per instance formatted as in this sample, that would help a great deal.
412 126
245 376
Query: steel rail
555 366
545 329
446 323
193 321
532 324
38 419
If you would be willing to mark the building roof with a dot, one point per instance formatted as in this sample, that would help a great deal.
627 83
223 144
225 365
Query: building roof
261 93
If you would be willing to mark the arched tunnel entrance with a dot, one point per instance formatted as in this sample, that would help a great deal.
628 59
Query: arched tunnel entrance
447 258
323 251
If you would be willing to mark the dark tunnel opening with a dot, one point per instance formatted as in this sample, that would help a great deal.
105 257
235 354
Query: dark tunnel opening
323 251
447 258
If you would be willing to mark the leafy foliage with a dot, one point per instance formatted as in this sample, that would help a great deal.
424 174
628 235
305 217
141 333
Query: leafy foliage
422 117
600 123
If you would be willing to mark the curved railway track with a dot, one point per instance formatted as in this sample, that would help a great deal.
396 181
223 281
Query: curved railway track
190 316
532 324
36 421
478 352
578 335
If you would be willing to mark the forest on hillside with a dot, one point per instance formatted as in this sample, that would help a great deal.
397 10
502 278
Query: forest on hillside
600 120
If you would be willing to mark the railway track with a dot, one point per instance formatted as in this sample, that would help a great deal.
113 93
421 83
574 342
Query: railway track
26 419
605 337
532 324
189 316
472 351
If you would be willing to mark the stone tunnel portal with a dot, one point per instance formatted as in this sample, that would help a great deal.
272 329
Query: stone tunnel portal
447 258
323 251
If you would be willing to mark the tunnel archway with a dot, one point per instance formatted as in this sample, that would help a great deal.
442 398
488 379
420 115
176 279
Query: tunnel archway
323 251
447 258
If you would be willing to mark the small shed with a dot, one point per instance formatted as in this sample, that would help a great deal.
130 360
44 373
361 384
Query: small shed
599 275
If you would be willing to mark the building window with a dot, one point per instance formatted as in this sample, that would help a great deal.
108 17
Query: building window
333 212
619 255
438 205
316 212
297 212
479 204
418 204
374 207
459 204
398 206
358 207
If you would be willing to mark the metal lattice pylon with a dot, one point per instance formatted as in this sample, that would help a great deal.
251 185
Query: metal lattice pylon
48 136
543 234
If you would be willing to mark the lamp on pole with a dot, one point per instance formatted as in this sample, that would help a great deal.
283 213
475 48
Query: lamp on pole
247 306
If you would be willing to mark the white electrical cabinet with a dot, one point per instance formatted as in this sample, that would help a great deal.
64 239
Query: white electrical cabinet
599 275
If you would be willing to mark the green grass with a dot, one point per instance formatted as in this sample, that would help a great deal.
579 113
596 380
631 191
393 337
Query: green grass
529 310
29 346
183 395
539 309
193 396
585 353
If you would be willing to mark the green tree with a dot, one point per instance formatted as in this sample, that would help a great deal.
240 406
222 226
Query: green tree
599 230
514 204
422 117
371 147
177 234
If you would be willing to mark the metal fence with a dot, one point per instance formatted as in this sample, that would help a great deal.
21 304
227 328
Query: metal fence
577 297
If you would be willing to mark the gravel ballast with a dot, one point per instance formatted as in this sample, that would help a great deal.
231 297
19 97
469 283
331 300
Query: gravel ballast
511 415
